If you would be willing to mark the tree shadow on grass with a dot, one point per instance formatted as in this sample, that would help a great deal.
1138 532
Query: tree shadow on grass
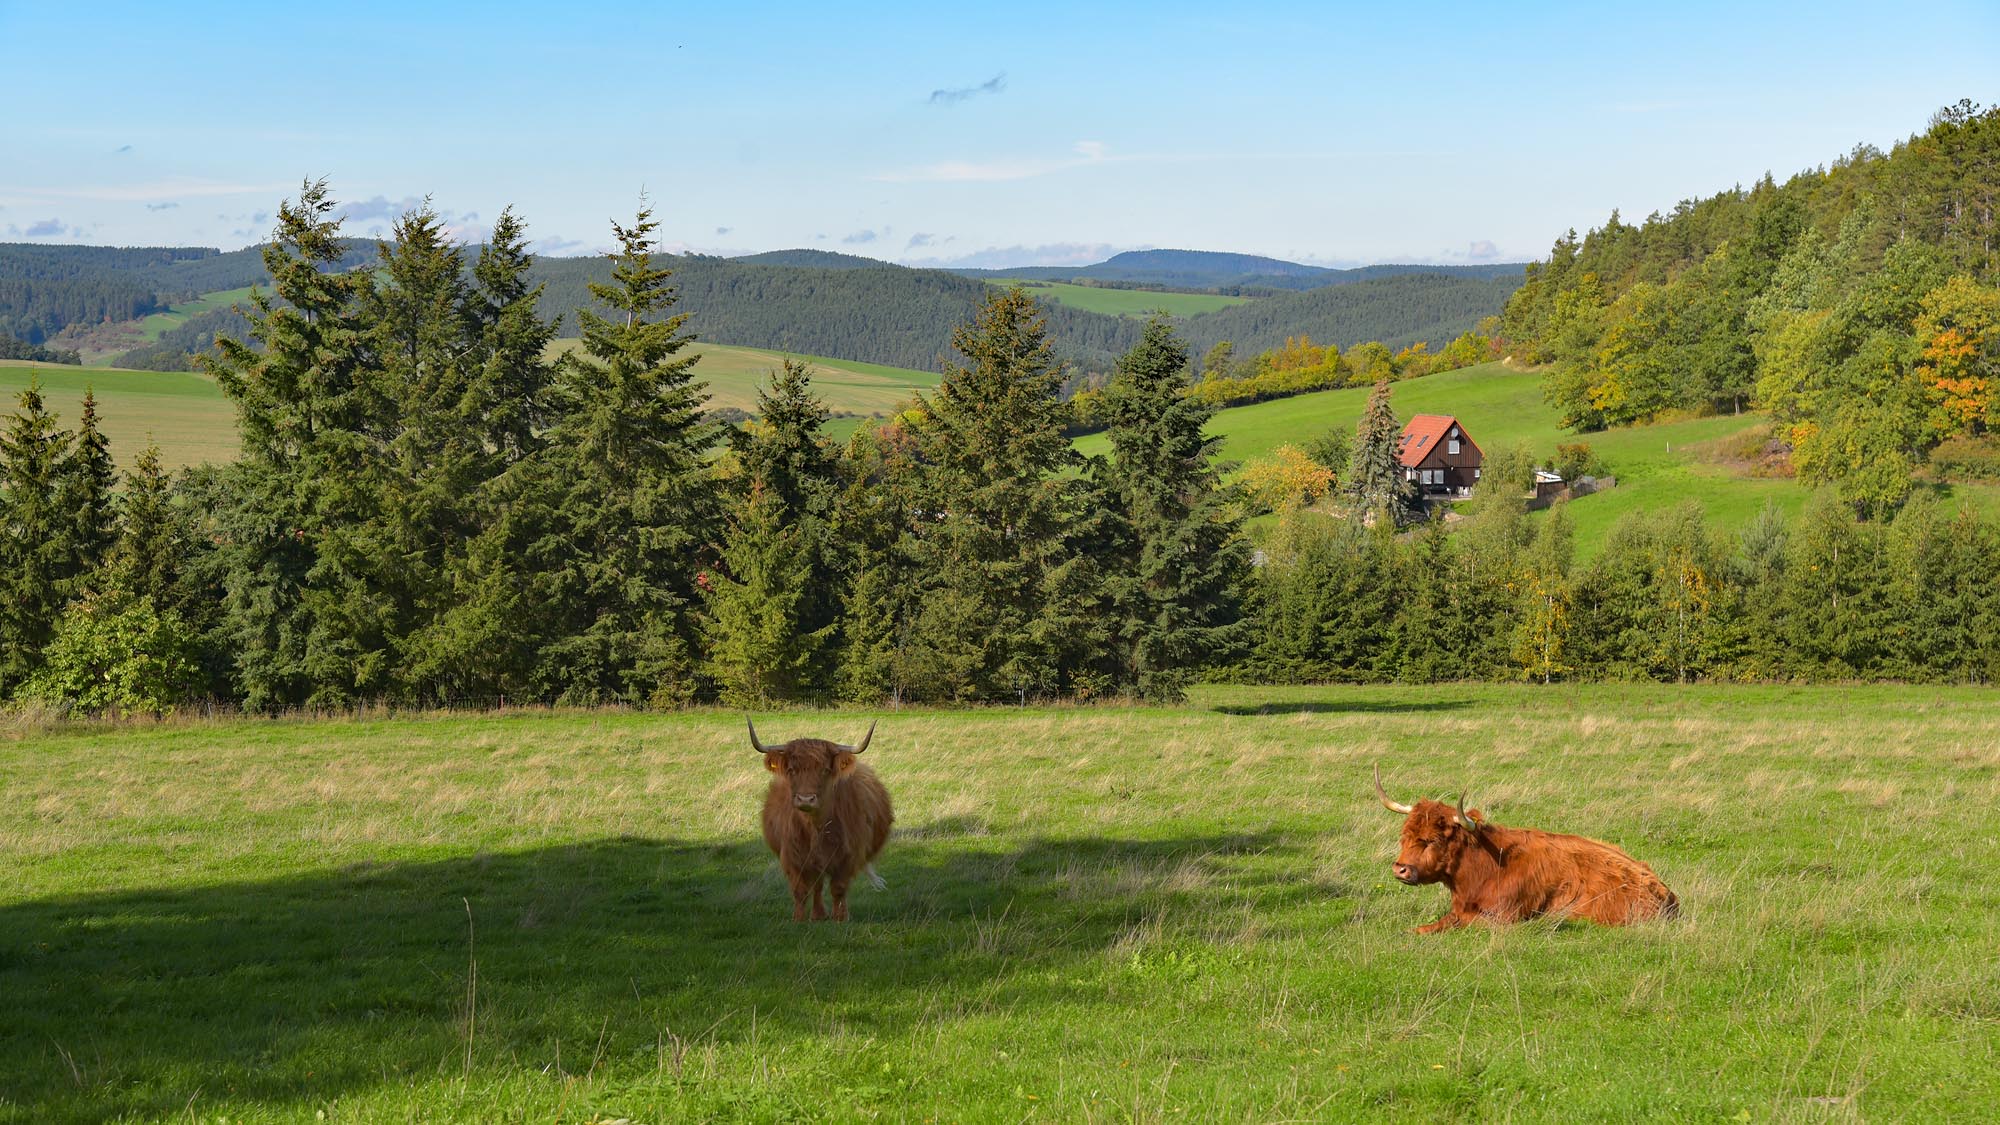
295 991
1348 707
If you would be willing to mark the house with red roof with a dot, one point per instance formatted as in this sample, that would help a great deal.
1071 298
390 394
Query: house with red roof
1439 457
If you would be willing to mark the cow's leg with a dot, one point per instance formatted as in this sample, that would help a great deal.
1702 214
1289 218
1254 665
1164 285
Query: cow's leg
840 883
800 889
1452 919
819 905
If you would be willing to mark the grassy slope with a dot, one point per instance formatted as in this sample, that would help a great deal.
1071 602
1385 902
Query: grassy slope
1656 466
186 414
734 375
1092 915
1122 302
131 334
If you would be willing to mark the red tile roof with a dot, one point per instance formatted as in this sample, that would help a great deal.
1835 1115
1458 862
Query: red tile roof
1421 436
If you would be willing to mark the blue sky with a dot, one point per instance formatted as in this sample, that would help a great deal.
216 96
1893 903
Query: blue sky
981 134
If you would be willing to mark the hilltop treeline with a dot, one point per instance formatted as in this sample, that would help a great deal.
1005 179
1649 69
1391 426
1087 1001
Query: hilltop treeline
1857 303
45 289
811 302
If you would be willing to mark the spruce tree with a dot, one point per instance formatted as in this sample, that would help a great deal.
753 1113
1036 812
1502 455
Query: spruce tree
1375 479
1176 557
89 481
780 572
490 611
1006 596
146 561
760 649
633 512
304 622
38 535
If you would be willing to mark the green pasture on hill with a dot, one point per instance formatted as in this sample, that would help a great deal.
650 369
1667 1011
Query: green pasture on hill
735 374
186 414
1092 914
1657 466
1121 302
148 329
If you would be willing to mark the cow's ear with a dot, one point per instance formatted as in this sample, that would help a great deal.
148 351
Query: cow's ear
843 764
774 762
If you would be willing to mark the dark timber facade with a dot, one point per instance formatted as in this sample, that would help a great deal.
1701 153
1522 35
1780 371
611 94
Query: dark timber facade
1438 457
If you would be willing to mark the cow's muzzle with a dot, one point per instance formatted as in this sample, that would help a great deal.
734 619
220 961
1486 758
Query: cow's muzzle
806 804
1405 873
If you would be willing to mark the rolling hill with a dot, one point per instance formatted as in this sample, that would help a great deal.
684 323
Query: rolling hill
1657 466
138 308
1209 269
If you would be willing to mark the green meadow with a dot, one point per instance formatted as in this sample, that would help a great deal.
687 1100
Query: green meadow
735 374
113 339
185 413
1122 302
1092 914
1657 466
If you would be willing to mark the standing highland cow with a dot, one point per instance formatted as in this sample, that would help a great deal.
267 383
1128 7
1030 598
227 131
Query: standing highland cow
826 816
1500 874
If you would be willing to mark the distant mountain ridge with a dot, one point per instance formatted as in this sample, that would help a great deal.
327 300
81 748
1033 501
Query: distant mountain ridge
1210 269
843 306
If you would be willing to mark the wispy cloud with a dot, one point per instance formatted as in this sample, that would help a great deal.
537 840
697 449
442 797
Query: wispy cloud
167 206
1083 153
723 230
1482 250
992 85
918 240
1047 254
861 238
44 228
121 150
556 247
464 226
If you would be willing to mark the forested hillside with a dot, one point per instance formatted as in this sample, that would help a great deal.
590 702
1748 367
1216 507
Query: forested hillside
808 302
1398 310
1208 270
1855 302
45 289
816 259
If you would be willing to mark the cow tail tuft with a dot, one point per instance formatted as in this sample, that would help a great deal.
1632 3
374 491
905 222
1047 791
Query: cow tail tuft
875 880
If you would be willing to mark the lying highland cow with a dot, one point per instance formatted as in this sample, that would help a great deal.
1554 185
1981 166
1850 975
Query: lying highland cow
826 815
1500 874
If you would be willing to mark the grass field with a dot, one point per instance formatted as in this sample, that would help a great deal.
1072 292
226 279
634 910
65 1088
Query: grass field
186 414
1122 302
1657 466
735 374
113 339
1165 914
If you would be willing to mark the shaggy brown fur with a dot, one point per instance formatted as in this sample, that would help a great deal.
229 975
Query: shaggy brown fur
1500 874
826 816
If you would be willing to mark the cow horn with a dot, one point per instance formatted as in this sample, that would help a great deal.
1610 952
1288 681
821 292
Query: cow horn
1463 819
865 739
1386 802
761 748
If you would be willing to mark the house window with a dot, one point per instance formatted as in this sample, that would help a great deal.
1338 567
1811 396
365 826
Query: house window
1475 474
1454 447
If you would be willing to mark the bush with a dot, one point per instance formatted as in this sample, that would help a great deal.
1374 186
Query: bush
1576 461
1967 458
116 655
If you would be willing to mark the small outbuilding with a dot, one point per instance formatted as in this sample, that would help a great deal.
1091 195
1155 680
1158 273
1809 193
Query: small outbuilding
1439 457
